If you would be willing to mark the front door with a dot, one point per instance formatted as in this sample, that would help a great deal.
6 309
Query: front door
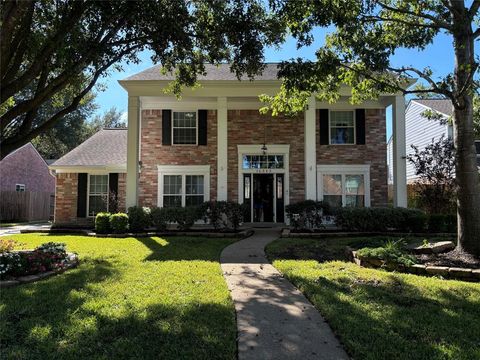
263 198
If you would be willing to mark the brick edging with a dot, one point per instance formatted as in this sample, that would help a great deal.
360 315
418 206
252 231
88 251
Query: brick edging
73 262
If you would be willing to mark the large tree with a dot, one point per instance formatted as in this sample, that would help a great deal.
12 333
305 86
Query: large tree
47 46
358 53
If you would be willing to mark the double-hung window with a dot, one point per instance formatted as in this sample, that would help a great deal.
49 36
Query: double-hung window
346 185
184 128
97 194
183 185
342 127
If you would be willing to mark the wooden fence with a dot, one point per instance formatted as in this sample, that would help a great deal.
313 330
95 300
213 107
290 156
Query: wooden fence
26 206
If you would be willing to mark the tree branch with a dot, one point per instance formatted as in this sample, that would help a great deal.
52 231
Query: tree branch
378 18
424 76
433 19
474 8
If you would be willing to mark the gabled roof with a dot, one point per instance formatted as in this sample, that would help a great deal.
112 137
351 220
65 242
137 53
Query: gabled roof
106 148
213 72
443 106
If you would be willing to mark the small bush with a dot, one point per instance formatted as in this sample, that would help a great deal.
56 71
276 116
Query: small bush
442 223
185 217
214 213
6 245
119 223
159 218
235 214
138 218
102 223
392 252
307 214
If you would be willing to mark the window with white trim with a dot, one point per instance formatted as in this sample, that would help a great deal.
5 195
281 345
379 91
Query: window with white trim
20 187
184 128
183 185
97 194
342 127
347 185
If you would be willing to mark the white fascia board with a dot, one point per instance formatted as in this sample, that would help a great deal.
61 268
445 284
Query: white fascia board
89 169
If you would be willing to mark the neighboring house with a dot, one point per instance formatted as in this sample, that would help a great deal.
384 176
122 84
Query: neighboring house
420 131
25 170
90 176
213 144
26 186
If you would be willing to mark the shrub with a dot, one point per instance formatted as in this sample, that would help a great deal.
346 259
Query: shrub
391 252
442 223
6 245
102 223
380 219
214 212
138 218
159 218
451 223
185 217
235 213
307 214
119 223
10 264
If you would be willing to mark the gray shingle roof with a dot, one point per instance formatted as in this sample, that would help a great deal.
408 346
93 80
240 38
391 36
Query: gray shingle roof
213 72
441 105
105 148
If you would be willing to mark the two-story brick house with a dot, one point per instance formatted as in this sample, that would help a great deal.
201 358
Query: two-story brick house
213 144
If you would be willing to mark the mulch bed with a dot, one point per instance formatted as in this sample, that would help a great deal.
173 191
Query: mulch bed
454 258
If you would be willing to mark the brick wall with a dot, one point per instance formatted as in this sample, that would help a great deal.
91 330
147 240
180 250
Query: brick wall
153 153
247 127
122 191
66 189
374 152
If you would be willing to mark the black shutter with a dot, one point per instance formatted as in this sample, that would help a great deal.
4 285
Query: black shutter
113 192
166 127
360 126
324 127
202 127
82 195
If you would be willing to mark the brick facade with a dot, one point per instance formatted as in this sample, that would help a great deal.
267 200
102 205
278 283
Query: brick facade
374 153
246 127
153 153
66 190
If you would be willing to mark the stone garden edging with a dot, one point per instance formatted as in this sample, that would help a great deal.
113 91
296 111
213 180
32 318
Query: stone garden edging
287 233
452 273
72 263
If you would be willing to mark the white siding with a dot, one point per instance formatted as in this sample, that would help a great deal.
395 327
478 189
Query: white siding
420 131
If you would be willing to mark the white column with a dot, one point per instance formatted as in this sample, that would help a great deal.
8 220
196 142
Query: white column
399 153
132 151
222 149
310 150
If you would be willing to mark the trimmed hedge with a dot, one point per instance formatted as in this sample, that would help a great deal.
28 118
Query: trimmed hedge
307 214
159 218
381 219
138 218
102 223
439 223
119 223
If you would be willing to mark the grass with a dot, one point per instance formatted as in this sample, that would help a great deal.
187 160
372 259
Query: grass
144 298
379 314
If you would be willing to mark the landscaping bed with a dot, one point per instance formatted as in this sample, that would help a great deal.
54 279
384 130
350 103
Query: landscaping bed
143 298
379 314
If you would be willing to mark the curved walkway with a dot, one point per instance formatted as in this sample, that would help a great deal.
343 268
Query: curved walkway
274 319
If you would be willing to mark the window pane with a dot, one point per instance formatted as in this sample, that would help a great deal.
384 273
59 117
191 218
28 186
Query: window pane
96 204
184 136
333 200
172 201
339 135
172 184
193 200
355 200
354 185
98 184
341 118
194 184
332 185
247 187
279 187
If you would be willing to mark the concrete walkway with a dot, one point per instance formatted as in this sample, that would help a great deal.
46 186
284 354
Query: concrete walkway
274 319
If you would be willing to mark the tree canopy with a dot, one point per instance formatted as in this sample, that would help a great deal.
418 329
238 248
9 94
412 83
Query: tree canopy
49 46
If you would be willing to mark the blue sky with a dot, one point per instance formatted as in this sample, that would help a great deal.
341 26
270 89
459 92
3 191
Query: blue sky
439 56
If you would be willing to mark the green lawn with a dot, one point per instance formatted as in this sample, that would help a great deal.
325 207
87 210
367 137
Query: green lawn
379 314
145 298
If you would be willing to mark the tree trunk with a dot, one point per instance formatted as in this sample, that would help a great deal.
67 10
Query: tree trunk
467 176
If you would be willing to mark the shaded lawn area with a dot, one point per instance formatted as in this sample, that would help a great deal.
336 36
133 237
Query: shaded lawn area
379 314
129 298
